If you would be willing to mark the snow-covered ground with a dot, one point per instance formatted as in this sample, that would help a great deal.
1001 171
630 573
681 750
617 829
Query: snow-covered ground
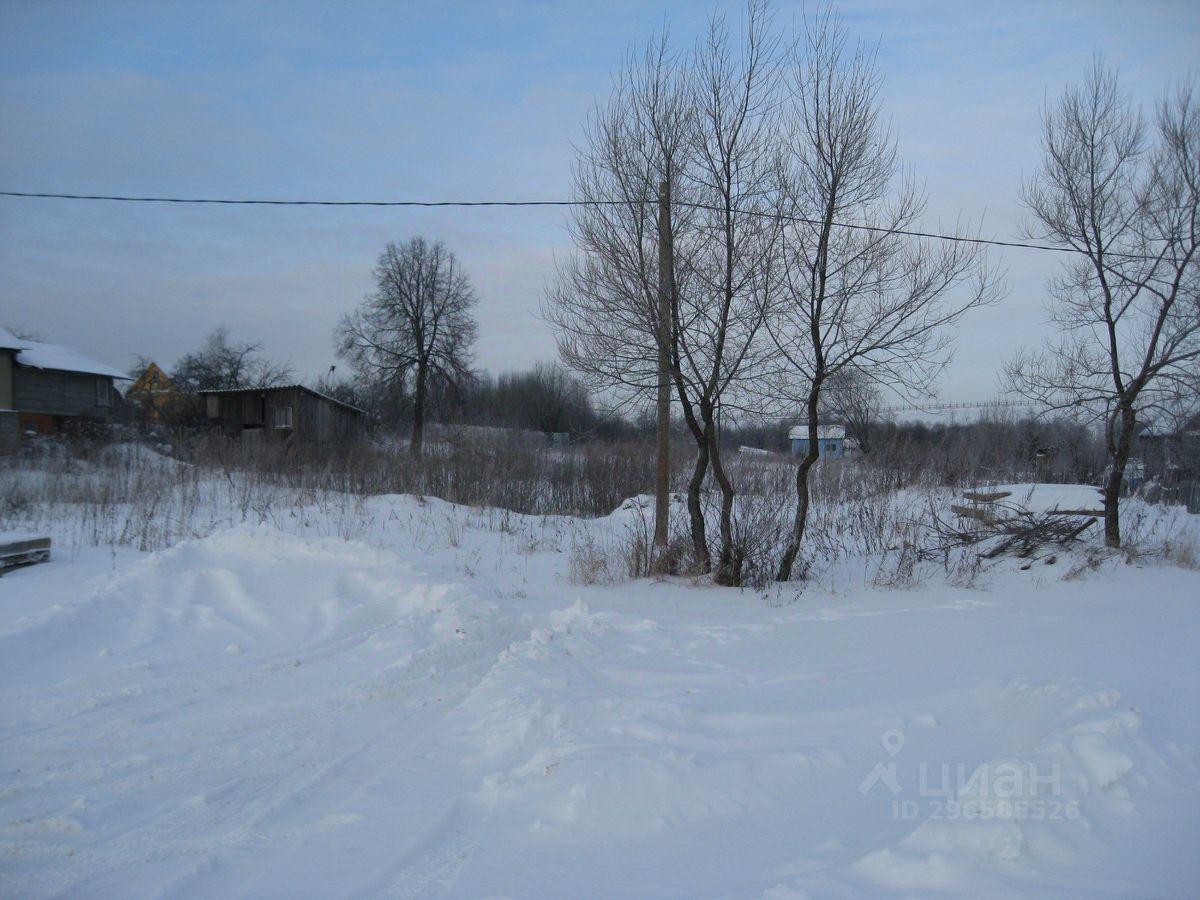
434 709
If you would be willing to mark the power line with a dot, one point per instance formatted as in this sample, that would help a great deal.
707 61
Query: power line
252 202
850 226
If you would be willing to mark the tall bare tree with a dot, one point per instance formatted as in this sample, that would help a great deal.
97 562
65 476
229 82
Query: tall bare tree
415 332
224 363
864 297
852 399
607 304
1126 197
732 241
698 128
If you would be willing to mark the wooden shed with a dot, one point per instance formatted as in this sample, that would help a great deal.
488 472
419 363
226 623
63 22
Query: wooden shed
290 412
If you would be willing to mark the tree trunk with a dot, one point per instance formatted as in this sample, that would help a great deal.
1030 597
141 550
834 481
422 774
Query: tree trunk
703 558
729 560
696 511
802 492
1116 478
418 431
662 482
801 520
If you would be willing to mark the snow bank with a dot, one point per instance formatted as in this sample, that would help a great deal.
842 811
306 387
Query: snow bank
245 590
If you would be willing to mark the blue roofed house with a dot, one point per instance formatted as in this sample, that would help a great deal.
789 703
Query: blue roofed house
832 442
43 386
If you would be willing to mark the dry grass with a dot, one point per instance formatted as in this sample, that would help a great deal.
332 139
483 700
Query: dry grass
133 496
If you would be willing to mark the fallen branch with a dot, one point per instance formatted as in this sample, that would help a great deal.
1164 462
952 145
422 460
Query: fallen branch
970 512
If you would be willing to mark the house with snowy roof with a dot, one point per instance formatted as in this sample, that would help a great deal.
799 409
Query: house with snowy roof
45 386
832 442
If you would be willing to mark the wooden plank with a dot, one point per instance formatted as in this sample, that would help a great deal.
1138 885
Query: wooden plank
992 497
23 545
23 550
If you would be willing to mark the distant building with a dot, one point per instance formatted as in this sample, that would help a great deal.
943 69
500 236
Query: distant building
153 397
832 442
290 413
1172 455
45 386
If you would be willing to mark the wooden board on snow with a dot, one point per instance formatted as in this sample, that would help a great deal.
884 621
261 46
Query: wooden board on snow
22 550
979 497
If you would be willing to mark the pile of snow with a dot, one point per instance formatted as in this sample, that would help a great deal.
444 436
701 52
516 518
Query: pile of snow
248 590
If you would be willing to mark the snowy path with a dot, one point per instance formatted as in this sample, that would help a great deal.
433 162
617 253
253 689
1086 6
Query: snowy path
263 714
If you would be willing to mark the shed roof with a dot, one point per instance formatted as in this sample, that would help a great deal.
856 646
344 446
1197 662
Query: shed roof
824 433
283 387
40 355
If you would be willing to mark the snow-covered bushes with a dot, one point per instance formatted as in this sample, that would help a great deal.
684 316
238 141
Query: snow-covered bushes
128 494
132 495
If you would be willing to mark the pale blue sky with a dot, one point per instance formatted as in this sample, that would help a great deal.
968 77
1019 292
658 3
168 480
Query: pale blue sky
470 101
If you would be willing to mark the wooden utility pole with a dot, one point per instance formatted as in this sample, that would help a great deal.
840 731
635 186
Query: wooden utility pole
662 481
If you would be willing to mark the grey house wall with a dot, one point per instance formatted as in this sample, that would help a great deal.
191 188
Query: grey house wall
6 378
10 425
61 393
10 430
830 448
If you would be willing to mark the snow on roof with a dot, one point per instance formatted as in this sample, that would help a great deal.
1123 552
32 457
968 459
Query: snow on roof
40 355
824 433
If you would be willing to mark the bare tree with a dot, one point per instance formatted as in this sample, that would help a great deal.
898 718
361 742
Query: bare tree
607 304
415 332
854 400
225 364
698 129
24 334
859 298
547 398
1127 307
732 240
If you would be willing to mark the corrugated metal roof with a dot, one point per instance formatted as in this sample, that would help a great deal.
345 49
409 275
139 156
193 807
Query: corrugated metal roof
283 387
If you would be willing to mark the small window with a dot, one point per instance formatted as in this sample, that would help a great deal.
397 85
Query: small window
212 406
103 393
282 417
831 448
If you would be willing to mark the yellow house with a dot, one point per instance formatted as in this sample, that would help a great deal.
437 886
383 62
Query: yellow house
154 396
